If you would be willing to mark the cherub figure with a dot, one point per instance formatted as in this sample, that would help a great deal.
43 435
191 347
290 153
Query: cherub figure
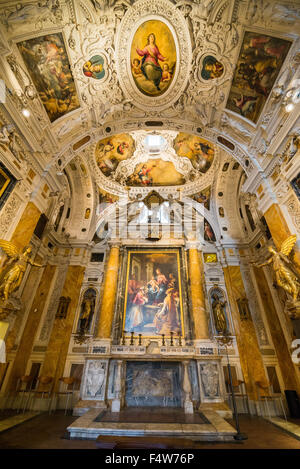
136 68
14 268
285 273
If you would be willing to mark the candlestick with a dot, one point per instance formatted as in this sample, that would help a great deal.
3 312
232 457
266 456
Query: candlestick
179 340
123 338
171 343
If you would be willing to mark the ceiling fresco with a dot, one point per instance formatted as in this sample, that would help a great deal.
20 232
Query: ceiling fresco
96 77
211 68
48 65
258 65
153 58
199 151
112 150
203 197
155 172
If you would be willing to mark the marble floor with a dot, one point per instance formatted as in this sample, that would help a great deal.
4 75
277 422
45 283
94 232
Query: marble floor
49 432
10 420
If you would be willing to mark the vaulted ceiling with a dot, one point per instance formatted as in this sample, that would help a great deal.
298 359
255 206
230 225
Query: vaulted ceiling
220 85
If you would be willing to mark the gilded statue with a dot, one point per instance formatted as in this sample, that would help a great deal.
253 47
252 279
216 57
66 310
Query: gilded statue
218 312
286 275
87 311
14 267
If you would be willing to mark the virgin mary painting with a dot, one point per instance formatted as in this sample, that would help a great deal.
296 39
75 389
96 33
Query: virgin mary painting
153 58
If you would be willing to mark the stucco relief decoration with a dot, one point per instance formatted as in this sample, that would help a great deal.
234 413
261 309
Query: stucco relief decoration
18 16
153 54
94 380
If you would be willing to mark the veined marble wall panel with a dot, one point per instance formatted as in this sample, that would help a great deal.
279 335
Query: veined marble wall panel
153 384
44 333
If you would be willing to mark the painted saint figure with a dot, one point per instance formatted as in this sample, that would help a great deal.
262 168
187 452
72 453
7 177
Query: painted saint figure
135 317
150 65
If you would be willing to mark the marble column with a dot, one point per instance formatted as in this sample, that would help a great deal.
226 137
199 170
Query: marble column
116 402
31 326
196 280
288 370
279 229
187 389
56 353
248 347
109 294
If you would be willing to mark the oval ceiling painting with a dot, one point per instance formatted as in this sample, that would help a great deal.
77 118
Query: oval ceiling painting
153 58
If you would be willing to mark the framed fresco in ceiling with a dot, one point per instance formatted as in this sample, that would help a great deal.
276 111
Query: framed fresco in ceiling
199 151
153 58
155 172
7 184
153 296
112 150
203 197
48 65
258 65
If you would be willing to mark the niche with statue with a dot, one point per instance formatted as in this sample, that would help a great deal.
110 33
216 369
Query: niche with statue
218 309
87 310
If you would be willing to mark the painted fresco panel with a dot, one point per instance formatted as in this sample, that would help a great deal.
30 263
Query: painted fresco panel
155 172
153 58
258 66
48 65
111 151
199 151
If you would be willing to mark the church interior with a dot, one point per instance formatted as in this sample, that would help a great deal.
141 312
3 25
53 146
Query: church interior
149 223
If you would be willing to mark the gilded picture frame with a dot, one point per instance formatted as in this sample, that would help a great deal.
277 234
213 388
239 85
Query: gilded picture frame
153 303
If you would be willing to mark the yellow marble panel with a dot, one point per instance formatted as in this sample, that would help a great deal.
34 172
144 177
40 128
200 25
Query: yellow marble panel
31 326
25 228
58 345
197 295
288 370
250 356
109 294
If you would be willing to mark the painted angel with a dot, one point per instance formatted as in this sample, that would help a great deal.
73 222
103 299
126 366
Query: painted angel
285 273
14 267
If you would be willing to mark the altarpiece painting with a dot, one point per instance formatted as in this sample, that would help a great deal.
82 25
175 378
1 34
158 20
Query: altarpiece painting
153 297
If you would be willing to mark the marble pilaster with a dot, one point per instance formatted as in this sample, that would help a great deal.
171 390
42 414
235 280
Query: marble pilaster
58 345
249 352
32 323
109 294
288 369
196 280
